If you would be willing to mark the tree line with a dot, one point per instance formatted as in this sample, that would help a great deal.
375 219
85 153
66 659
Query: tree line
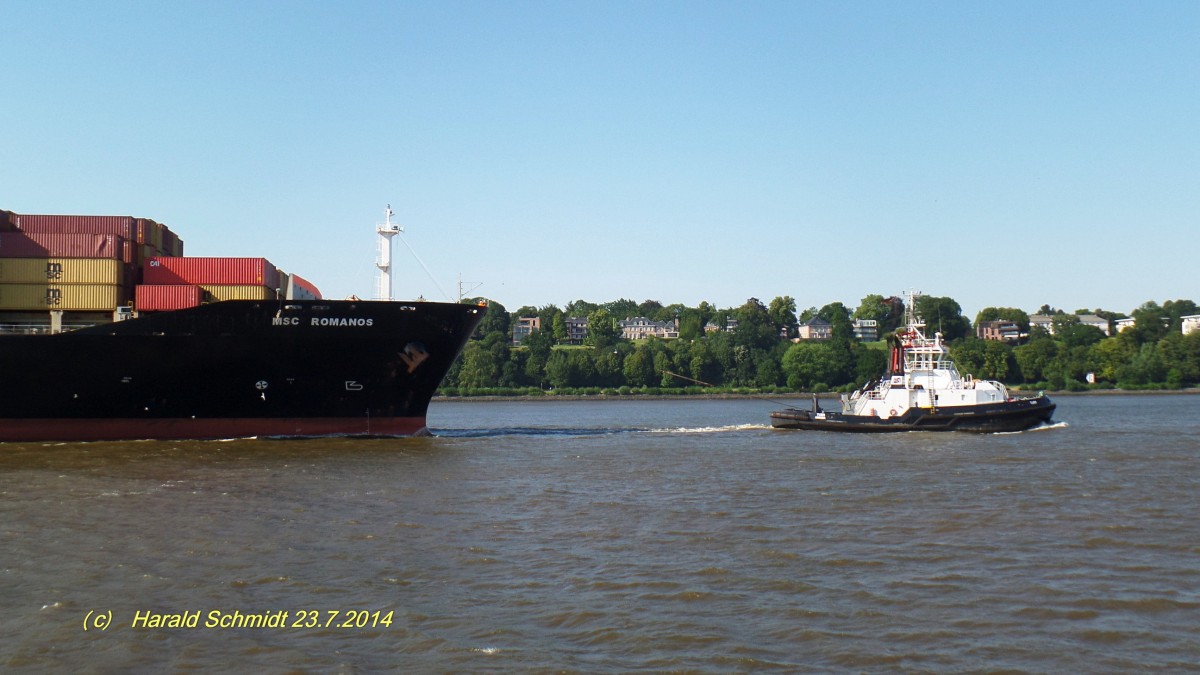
757 355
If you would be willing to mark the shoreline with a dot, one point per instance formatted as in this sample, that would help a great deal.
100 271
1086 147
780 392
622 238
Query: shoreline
806 396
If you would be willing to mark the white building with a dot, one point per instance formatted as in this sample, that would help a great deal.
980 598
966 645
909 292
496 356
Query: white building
1046 321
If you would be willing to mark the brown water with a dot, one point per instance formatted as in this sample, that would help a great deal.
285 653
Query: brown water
617 536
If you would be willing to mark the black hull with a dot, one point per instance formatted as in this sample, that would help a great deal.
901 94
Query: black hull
1007 416
235 368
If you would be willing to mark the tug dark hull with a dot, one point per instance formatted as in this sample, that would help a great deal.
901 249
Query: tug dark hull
1015 415
234 369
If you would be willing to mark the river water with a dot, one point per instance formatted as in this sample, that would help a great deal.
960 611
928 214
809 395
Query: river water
609 536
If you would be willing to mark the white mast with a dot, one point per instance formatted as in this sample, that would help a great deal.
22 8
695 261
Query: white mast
383 260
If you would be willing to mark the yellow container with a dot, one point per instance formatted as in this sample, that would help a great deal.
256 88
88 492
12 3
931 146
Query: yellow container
221 292
70 297
61 271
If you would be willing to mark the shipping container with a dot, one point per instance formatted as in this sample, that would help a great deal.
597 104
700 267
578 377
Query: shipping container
149 233
239 292
223 271
62 271
121 226
172 245
71 297
165 298
301 289
27 245
8 221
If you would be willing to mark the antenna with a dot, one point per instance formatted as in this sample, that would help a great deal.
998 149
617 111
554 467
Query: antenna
383 259
462 284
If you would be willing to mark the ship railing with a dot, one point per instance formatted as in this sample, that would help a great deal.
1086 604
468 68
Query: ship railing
38 328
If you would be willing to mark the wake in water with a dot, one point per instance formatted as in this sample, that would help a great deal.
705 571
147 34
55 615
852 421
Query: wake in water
589 431
710 430
1041 427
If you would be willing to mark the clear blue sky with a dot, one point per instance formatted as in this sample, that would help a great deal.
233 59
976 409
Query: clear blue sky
999 153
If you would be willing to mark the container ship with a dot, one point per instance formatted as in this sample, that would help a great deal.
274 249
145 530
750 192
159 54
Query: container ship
108 332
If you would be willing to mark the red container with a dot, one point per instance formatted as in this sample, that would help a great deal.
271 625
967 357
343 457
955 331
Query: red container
22 245
220 271
302 289
166 298
122 226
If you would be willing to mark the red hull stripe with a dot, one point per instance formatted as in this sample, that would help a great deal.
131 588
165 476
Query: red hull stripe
179 429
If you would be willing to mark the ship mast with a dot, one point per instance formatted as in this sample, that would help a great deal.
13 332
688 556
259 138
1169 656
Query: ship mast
383 259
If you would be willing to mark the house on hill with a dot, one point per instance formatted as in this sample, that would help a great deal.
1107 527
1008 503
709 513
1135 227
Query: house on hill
1046 321
815 328
523 326
999 330
639 327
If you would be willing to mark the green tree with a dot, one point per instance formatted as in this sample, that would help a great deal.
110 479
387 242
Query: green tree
1035 358
547 316
651 309
580 308
998 362
559 328
873 307
943 315
838 317
691 325
639 367
570 368
768 372
1108 356
1145 368
1175 310
483 361
868 365
609 366
782 311
495 320
537 347
621 309
1181 353
755 328
1150 323
969 354
1070 333
807 363
602 329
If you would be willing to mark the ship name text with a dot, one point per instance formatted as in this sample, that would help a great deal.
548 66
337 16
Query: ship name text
323 321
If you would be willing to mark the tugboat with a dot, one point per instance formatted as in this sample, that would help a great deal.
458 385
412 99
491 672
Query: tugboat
922 390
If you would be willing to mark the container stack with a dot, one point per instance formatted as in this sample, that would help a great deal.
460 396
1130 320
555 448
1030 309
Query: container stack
93 268
170 283
83 266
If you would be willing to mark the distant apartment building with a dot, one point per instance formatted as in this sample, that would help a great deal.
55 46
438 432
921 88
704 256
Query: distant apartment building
523 326
1191 324
639 328
1046 321
1000 330
866 330
577 329
815 328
